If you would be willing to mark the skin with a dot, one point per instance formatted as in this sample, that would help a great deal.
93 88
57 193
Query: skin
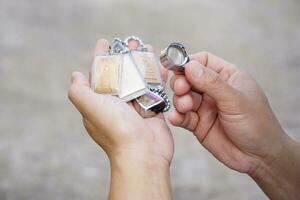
230 116
220 104
140 149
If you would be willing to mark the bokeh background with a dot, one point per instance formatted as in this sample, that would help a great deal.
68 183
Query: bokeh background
45 152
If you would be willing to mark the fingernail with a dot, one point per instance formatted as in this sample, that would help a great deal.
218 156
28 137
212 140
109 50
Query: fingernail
196 71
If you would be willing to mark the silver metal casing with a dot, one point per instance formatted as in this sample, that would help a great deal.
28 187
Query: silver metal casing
170 62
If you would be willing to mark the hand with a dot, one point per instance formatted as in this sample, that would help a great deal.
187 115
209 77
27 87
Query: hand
131 142
227 111
230 116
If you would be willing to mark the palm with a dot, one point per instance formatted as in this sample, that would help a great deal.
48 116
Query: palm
154 130
123 125
162 136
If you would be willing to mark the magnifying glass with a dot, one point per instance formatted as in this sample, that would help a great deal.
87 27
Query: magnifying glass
174 57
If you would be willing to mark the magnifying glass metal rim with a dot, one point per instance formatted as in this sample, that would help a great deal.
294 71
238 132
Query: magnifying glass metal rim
168 63
182 50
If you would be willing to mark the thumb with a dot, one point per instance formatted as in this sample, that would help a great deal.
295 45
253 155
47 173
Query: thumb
208 81
80 93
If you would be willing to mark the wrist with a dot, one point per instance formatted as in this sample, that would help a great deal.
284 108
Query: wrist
139 175
141 155
267 163
149 161
277 173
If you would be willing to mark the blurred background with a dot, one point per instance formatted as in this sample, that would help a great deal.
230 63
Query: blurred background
45 152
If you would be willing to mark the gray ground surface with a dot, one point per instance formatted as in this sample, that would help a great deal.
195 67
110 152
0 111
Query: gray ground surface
44 150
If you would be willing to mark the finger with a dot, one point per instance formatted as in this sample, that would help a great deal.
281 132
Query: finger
79 78
102 47
188 102
208 115
197 100
133 44
178 72
164 74
90 75
213 62
188 121
179 84
208 81
149 48
95 106
176 118
80 93
183 104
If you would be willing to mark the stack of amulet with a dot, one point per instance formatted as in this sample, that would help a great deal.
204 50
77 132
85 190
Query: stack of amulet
132 74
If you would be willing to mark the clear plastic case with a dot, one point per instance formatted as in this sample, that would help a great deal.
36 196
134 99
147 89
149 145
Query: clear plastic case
132 84
148 65
106 74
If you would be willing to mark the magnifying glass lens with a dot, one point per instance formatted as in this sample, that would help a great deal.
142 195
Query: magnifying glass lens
176 55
